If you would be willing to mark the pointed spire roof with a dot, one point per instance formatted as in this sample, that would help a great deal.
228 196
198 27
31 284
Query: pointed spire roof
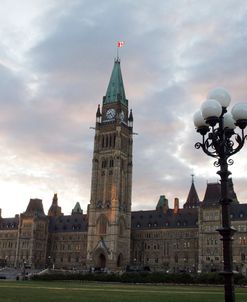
115 91
54 209
77 209
98 114
131 116
192 199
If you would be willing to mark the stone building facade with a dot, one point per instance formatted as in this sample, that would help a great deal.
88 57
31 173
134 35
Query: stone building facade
112 236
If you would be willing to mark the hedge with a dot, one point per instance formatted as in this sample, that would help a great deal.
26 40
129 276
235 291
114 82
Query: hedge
143 277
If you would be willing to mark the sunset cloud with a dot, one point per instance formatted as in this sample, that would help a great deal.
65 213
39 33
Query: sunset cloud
56 59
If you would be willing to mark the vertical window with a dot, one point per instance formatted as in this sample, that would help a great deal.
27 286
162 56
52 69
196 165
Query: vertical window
114 140
102 225
104 163
121 227
111 163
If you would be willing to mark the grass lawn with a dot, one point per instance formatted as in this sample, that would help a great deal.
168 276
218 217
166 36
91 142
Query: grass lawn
27 291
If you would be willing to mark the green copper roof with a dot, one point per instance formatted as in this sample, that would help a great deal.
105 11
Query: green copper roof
162 201
77 209
115 91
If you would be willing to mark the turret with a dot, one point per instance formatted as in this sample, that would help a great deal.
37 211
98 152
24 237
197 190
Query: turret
162 204
98 115
192 199
130 119
55 210
77 209
176 206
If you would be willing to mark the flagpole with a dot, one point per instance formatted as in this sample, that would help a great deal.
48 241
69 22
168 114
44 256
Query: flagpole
119 45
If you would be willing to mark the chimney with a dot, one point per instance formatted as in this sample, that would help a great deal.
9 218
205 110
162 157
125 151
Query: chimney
176 205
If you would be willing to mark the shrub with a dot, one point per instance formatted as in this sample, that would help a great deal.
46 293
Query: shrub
144 277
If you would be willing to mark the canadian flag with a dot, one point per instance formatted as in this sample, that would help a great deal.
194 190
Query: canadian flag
120 44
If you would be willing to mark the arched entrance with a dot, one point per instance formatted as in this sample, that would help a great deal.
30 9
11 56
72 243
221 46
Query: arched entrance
101 261
120 260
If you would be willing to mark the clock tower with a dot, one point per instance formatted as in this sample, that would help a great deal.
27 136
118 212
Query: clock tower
109 213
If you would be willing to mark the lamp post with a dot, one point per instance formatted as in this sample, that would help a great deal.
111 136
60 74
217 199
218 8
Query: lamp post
24 269
49 263
222 136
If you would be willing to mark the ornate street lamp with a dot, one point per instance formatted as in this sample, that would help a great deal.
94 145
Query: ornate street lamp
220 140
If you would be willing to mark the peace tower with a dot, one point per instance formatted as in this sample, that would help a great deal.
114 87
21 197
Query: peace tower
109 213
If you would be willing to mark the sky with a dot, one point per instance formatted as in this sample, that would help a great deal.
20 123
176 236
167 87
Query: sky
56 59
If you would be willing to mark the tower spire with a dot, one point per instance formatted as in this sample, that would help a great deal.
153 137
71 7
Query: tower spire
192 199
115 91
130 119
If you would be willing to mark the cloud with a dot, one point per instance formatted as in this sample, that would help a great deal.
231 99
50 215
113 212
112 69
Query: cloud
54 70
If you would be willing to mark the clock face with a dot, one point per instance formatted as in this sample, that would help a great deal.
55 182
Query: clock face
121 115
110 114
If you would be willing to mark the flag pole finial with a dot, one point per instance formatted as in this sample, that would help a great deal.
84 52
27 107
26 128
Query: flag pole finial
192 175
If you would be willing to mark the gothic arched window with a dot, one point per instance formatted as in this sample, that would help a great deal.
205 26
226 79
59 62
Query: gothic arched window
111 164
104 163
114 140
121 227
102 225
